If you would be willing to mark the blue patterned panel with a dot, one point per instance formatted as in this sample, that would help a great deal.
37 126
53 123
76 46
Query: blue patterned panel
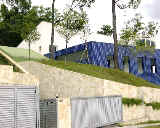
157 57
147 64
133 65
69 50
98 52
121 53
153 78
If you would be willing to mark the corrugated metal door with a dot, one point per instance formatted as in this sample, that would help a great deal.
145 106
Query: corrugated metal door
48 113
7 108
26 108
19 107
96 112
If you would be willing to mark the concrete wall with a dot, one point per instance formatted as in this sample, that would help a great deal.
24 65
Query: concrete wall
64 113
7 76
136 114
63 83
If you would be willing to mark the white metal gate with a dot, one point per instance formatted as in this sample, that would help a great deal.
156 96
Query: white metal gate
96 112
19 107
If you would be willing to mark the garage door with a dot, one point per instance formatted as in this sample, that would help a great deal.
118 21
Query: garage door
19 107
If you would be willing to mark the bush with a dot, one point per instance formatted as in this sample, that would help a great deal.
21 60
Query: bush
155 105
131 101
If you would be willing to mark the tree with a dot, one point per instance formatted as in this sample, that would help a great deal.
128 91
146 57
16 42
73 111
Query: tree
52 35
131 3
136 30
72 23
86 32
13 19
139 35
30 35
21 11
128 4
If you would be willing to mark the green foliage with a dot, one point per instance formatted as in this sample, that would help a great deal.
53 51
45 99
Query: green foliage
106 30
20 19
155 105
131 101
30 34
152 126
136 30
72 23
83 3
150 122
141 123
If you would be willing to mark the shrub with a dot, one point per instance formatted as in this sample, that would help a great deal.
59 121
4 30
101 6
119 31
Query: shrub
131 101
155 105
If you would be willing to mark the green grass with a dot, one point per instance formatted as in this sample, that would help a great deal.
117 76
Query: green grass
150 122
20 54
152 127
141 123
100 72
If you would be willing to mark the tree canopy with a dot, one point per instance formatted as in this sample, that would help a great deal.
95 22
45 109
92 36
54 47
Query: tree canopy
72 22
16 16
137 33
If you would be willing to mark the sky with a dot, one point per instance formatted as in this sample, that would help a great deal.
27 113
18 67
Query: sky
101 13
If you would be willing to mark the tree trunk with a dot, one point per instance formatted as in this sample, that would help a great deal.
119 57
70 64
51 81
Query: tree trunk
29 44
52 35
115 35
66 49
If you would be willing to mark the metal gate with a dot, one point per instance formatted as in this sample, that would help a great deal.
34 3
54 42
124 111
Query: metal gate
96 112
19 107
48 113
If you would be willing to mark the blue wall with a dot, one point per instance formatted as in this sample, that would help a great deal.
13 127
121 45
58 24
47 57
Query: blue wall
99 51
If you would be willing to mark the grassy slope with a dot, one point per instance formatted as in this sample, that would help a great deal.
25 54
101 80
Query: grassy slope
19 55
100 72
152 127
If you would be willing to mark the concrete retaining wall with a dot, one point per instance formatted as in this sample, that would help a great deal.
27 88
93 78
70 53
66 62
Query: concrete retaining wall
63 83
7 76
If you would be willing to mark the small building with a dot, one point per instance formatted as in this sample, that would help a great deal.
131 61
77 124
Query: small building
142 65
42 45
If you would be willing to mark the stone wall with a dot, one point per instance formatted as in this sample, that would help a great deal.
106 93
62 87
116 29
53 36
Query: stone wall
146 93
136 114
7 76
65 84
64 113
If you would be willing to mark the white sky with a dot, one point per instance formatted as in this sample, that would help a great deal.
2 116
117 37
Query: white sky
101 14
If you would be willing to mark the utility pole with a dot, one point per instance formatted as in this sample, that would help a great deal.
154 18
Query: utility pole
52 35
